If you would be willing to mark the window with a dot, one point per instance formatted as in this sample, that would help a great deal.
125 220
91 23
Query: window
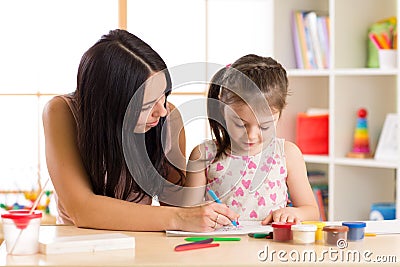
42 43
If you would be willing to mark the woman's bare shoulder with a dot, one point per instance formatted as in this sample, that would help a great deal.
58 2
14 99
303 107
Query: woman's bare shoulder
58 116
56 107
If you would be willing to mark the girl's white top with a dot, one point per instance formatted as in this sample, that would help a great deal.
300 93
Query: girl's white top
252 186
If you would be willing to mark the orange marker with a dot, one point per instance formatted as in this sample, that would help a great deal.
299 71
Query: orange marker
381 41
387 39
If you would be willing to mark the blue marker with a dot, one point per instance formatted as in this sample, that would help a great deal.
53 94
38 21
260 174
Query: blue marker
216 199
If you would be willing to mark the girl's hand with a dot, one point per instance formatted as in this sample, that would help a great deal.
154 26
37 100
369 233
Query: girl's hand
287 214
206 218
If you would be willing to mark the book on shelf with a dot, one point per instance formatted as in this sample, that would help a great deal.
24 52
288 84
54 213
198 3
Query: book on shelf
310 50
321 196
310 19
317 178
310 33
323 35
319 185
299 40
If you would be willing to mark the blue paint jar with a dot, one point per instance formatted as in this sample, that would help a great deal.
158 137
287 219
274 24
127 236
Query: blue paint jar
356 230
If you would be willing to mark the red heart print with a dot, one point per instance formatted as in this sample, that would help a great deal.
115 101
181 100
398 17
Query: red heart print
239 192
261 201
219 167
253 214
246 183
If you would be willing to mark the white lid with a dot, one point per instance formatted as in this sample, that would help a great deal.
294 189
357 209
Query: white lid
304 227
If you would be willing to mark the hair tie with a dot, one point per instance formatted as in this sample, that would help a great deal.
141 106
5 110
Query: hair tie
228 66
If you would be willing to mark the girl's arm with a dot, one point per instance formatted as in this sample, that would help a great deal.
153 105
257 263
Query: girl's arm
177 154
94 211
304 204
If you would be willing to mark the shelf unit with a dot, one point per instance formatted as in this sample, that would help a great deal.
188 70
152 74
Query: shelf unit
354 184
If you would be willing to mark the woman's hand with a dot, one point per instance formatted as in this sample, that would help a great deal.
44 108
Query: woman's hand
287 214
205 218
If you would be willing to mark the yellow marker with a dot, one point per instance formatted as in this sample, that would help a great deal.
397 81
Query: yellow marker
369 234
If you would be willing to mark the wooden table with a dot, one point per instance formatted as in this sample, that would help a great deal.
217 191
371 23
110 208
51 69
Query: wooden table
155 249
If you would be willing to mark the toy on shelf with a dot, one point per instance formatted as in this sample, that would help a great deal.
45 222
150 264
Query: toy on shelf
361 147
29 199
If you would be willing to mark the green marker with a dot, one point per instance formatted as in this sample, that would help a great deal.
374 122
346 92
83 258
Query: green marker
259 235
215 238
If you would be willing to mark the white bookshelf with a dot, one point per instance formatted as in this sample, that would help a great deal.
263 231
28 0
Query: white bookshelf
354 184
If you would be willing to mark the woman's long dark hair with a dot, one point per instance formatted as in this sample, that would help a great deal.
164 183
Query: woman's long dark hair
109 75
229 84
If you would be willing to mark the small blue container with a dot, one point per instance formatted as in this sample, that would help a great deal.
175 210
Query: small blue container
356 230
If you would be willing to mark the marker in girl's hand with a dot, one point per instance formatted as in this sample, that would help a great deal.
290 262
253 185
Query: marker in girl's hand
216 199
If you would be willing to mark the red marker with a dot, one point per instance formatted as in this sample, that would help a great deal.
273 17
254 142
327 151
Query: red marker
195 246
206 243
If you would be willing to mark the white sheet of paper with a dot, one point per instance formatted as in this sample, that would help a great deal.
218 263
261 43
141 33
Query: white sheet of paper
385 227
244 228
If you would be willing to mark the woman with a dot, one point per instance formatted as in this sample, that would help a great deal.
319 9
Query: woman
87 142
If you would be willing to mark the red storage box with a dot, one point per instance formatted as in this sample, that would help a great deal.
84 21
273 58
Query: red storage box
312 133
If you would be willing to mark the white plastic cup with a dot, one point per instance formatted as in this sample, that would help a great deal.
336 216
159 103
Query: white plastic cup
304 233
21 231
387 58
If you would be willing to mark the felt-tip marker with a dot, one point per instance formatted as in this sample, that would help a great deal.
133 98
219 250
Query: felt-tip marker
206 243
261 235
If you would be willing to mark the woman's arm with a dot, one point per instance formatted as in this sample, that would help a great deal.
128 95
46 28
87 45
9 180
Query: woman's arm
93 211
304 204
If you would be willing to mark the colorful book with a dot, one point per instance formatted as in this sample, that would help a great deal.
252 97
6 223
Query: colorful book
324 39
309 43
302 39
296 42
311 23
320 202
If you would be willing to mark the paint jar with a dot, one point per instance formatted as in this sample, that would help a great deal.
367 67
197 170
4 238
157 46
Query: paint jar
319 235
334 233
304 233
356 230
21 231
282 231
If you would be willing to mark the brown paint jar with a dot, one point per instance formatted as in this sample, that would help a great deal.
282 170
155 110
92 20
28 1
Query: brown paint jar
333 233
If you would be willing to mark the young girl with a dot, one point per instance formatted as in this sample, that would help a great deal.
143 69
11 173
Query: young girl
249 169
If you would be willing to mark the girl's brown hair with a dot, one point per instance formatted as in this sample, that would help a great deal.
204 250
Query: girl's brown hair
235 83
